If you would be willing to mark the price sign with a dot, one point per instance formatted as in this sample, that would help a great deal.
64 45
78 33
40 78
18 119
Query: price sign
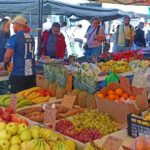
13 102
124 81
68 101
112 143
50 116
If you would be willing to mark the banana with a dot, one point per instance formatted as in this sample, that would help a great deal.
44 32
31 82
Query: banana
40 100
6 102
29 91
52 144
42 145
70 144
38 145
33 95
31 145
3 98
46 146
23 103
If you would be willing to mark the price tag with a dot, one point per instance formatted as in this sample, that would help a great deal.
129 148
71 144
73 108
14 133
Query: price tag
50 116
124 81
13 102
68 101
112 143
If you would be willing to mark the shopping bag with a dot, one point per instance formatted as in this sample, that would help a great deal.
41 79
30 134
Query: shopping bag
112 77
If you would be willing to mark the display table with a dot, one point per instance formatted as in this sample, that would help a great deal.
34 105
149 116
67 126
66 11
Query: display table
122 134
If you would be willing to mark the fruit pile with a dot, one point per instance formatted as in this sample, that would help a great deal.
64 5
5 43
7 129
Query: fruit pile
27 97
7 115
21 137
87 126
37 113
117 95
115 66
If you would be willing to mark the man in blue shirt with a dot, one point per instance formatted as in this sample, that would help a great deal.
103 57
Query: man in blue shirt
20 50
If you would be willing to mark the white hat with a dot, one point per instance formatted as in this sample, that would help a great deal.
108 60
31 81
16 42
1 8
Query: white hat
20 20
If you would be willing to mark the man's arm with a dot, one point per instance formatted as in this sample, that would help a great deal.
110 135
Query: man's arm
7 58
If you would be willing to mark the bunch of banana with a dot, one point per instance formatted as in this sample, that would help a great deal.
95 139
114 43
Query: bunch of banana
37 144
92 146
27 92
39 100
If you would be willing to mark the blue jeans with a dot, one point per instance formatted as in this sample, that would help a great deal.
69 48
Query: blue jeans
91 52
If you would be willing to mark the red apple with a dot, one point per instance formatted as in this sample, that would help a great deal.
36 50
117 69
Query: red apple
6 116
8 109
1 110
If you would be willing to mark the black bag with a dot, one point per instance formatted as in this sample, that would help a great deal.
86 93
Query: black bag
85 46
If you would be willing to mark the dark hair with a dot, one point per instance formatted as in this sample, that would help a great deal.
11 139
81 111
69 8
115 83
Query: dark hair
126 17
3 22
56 25
95 18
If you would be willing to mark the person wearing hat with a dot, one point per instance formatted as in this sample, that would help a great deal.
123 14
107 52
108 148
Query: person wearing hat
53 42
20 50
95 35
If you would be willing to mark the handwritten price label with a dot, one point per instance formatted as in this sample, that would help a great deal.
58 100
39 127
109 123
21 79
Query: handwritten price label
13 102
49 116
68 101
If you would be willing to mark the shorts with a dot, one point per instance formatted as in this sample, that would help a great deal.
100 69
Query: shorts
20 83
91 52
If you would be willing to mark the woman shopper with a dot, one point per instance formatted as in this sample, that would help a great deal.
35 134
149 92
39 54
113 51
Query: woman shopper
4 36
53 42
95 36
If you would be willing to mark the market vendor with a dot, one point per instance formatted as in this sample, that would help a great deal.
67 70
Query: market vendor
53 42
4 35
95 36
20 50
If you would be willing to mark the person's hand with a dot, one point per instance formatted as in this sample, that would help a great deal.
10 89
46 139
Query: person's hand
100 38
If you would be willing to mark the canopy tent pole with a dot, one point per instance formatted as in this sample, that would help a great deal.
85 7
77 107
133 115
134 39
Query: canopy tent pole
39 26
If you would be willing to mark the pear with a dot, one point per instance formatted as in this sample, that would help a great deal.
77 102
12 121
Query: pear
15 140
4 134
4 144
35 131
25 135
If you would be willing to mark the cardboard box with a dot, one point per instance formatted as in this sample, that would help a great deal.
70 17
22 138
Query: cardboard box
119 111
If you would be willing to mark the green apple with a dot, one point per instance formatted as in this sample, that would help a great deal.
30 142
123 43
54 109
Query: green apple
24 144
15 140
45 133
4 134
15 147
2 125
5 144
25 135
22 127
12 127
35 131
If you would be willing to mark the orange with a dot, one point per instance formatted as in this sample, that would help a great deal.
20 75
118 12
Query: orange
100 95
110 92
116 97
112 97
132 97
125 96
119 91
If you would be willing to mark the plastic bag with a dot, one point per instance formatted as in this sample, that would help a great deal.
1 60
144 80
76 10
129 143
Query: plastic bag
112 78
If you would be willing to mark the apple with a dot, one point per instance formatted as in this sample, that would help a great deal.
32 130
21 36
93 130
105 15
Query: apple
45 133
35 131
25 135
5 144
15 140
4 134
24 144
22 127
12 127
6 116
2 125
10 110
1 110
15 147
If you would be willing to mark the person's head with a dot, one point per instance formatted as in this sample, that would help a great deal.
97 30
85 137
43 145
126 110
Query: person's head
141 25
5 25
19 23
95 21
55 28
126 20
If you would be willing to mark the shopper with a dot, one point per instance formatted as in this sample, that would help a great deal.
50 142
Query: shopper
53 42
139 41
95 36
148 37
4 35
20 50
125 34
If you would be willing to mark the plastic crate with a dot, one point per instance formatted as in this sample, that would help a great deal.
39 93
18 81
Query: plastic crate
137 126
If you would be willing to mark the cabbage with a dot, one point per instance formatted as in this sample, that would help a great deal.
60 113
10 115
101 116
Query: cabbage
96 70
